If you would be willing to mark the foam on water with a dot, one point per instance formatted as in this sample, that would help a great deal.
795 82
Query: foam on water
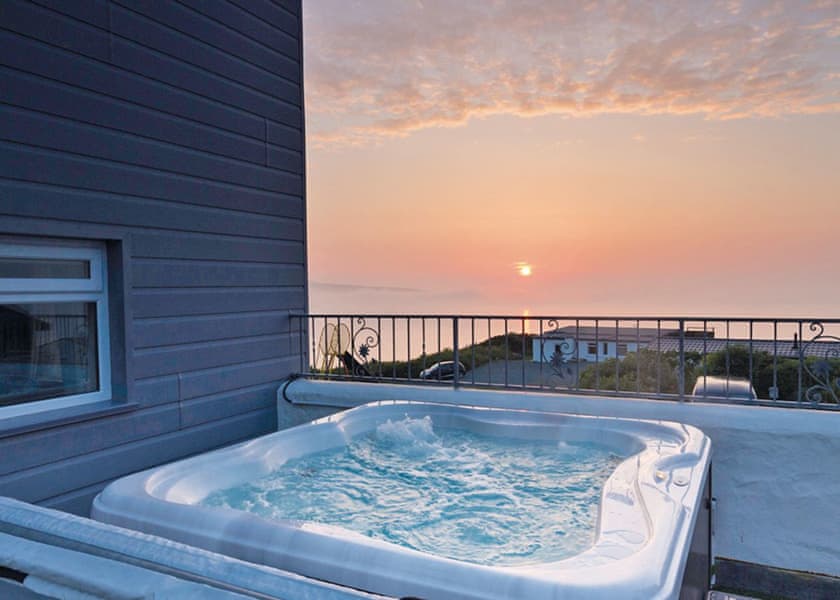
488 500
409 436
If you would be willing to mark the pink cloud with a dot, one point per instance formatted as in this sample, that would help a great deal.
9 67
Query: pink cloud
381 68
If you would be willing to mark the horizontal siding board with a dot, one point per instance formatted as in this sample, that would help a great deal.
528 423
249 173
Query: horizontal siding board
154 362
182 302
150 333
53 28
200 246
228 45
156 65
291 6
156 390
135 27
283 158
247 24
54 168
45 131
283 17
35 449
62 100
284 136
228 404
182 274
32 200
38 58
233 377
92 12
48 481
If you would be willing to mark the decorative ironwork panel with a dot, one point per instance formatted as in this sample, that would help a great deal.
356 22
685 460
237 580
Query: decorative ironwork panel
826 348
562 355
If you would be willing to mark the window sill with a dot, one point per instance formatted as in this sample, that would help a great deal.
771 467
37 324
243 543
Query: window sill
21 424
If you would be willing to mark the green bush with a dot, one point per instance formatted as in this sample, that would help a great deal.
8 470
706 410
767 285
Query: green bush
646 371
638 371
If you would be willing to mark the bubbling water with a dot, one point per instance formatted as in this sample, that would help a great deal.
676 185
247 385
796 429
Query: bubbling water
471 497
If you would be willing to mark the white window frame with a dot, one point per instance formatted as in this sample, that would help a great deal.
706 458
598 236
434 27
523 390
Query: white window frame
92 289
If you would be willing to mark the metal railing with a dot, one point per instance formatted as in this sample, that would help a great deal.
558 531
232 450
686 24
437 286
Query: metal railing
767 361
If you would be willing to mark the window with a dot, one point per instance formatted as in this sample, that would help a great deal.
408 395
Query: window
54 349
592 348
621 349
606 348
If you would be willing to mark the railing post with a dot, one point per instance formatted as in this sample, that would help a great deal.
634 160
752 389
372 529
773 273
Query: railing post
456 376
681 377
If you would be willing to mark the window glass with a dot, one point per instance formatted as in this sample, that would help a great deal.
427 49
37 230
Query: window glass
592 348
54 346
47 350
40 268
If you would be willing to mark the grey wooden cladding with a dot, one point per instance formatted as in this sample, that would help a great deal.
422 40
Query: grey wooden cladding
186 330
110 81
55 28
86 140
163 302
233 377
250 27
196 273
93 12
215 380
137 20
209 354
160 66
58 99
282 14
200 246
227 404
47 481
173 131
132 36
44 447
119 208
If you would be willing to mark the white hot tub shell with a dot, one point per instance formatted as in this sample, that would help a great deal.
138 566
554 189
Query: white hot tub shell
642 541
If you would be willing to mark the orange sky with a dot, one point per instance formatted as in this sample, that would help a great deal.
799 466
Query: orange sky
439 158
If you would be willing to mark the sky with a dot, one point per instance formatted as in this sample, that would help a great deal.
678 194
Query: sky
616 158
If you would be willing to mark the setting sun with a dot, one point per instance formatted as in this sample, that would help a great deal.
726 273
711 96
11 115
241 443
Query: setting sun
524 269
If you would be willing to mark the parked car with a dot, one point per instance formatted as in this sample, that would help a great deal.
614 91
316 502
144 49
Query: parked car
444 369
710 386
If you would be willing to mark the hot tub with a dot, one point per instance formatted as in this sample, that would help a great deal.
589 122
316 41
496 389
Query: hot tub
639 544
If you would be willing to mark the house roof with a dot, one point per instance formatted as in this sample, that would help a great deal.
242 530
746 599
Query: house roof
781 348
668 340
606 333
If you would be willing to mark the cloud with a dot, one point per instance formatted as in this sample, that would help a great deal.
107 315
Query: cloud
382 68
702 137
